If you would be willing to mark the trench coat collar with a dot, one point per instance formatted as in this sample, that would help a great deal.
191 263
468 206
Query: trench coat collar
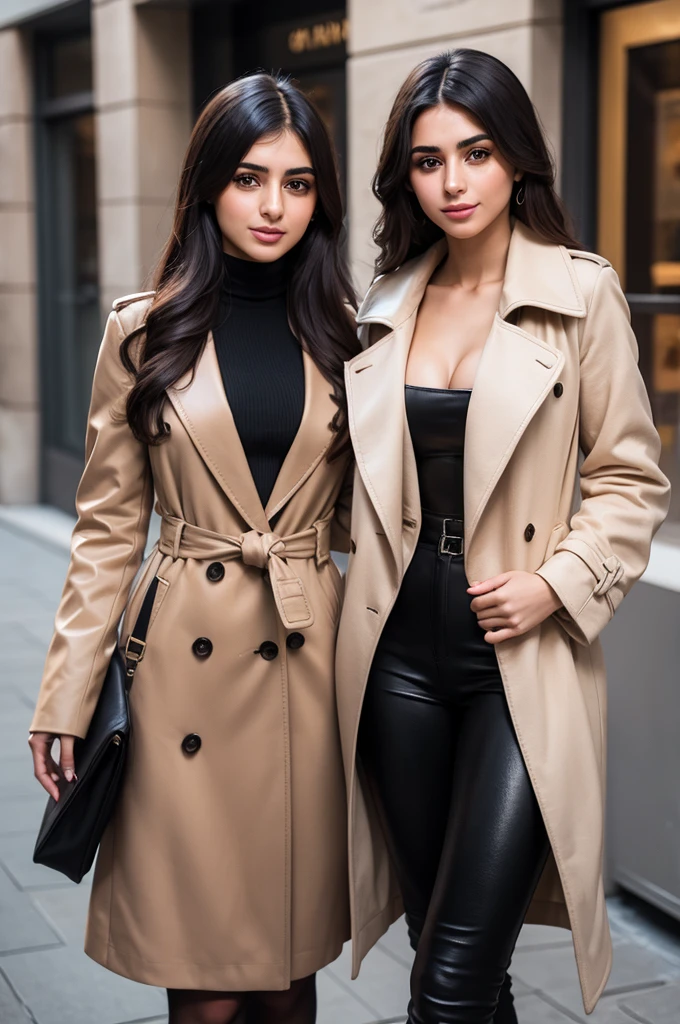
516 372
200 401
537 273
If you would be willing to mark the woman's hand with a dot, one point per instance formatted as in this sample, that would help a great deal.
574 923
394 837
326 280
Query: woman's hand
511 604
45 769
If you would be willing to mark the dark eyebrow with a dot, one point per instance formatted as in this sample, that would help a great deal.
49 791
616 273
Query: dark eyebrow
472 139
459 145
290 173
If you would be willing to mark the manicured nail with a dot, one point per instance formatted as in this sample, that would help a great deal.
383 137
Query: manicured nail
69 774
54 777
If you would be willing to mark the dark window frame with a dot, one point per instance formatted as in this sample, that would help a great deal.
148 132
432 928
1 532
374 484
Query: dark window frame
580 112
59 470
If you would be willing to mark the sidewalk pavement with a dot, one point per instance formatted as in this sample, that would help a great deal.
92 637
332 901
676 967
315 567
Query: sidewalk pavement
45 978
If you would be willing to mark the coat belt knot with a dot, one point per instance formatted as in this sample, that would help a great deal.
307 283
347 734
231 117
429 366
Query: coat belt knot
256 547
180 539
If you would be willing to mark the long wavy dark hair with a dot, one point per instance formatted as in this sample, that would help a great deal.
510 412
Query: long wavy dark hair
488 90
191 270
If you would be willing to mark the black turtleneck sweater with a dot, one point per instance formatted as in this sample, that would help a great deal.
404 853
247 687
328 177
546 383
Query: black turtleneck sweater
261 364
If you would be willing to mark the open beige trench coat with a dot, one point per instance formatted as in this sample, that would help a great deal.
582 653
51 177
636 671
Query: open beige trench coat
226 868
562 321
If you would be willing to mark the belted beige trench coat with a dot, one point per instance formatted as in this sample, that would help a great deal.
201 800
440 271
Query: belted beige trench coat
225 865
558 373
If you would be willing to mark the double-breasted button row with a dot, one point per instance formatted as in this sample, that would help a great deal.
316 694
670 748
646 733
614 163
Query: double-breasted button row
215 572
558 390
191 744
529 532
202 647
294 641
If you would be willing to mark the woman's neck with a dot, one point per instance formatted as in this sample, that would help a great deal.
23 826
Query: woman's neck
473 263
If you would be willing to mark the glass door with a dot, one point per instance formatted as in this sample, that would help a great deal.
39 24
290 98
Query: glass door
639 199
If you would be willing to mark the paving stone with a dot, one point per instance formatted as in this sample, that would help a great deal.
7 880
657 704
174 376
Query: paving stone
16 856
22 813
16 776
63 986
662 1006
532 1009
11 1010
21 925
382 983
11 699
337 1005
535 935
66 909
396 944
554 972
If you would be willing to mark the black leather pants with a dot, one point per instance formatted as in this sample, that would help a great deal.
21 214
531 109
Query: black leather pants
466 834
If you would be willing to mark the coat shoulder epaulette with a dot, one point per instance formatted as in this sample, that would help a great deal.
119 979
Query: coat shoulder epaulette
126 300
581 254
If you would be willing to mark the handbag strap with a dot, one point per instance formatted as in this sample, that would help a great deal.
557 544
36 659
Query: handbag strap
136 642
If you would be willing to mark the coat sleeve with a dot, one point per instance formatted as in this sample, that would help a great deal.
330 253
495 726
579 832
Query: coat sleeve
113 503
624 494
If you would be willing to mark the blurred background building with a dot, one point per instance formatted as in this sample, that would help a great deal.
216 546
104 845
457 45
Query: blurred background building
97 100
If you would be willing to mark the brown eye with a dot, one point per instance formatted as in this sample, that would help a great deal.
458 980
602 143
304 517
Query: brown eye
429 163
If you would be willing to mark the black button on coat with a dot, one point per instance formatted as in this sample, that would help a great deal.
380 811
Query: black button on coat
202 647
268 650
215 572
191 744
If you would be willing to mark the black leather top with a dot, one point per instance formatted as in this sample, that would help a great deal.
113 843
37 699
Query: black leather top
436 420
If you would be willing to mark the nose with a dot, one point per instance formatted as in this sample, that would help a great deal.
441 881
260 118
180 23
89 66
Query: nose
454 184
271 205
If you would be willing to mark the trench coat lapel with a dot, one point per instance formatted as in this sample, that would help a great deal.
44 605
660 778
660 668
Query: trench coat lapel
311 441
515 374
201 403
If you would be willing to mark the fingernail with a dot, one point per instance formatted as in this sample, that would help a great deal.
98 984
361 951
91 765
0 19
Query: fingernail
69 774
54 777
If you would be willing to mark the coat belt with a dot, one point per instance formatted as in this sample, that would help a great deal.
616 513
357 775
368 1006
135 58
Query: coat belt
268 551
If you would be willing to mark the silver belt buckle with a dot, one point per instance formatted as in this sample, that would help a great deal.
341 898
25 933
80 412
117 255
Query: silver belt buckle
450 544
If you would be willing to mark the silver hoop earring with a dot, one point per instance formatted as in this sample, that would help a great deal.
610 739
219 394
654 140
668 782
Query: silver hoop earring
520 192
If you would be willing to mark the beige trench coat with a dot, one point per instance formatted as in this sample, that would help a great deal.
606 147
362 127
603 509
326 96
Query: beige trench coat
562 319
225 869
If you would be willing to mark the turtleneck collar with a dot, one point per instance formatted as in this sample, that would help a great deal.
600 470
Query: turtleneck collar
251 280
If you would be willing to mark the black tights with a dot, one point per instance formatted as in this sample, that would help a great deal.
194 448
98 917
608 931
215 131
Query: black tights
468 842
296 1005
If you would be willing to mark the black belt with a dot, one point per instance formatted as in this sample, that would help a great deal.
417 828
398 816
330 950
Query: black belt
446 533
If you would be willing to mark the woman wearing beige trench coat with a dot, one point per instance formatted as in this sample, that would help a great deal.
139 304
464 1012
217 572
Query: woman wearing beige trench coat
555 374
223 871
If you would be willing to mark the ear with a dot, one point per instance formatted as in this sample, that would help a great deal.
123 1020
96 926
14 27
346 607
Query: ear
518 176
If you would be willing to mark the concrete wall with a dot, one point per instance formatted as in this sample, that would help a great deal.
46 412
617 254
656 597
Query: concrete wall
19 393
142 89
389 37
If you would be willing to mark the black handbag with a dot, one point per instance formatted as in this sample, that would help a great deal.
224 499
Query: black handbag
72 827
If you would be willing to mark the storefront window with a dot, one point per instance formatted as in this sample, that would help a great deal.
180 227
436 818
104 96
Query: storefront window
653 235
640 202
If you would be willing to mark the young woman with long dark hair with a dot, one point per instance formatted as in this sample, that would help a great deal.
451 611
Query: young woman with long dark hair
222 876
468 641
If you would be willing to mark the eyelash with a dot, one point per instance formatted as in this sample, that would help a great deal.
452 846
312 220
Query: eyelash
241 180
430 163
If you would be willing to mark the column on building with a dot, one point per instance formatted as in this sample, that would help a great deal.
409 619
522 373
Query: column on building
389 37
142 70
19 412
